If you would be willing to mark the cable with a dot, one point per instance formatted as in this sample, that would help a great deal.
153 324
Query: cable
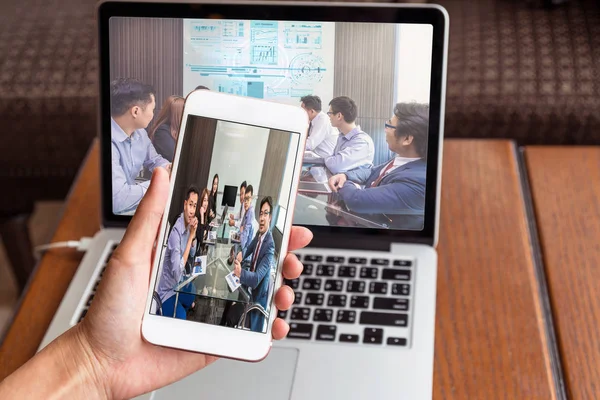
82 245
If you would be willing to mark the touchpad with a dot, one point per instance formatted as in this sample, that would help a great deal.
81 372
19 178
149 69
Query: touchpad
228 379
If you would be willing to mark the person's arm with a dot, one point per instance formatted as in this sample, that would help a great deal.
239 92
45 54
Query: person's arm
153 159
246 228
125 196
164 143
318 133
252 279
359 175
355 155
393 198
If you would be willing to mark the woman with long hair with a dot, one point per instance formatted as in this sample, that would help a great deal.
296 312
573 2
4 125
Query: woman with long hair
212 200
202 215
165 129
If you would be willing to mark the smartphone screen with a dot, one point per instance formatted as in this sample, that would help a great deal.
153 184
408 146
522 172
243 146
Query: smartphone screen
223 235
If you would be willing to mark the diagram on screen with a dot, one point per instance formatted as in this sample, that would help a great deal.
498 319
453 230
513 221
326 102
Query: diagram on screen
281 61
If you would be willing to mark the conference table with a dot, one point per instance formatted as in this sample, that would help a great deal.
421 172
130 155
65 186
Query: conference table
493 338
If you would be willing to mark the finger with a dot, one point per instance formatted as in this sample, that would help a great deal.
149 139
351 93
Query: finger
284 298
141 232
292 268
280 329
300 237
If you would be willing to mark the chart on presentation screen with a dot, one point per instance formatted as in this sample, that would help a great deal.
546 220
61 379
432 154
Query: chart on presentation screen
273 60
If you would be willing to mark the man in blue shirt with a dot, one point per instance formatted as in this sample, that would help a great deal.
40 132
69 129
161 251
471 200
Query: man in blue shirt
180 246
246 228
256 275
132 109
236 219
354 148
397 187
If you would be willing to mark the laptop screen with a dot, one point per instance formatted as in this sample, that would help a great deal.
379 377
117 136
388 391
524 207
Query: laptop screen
365 87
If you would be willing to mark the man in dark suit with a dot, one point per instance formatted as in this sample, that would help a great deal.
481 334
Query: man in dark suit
396 188
256 274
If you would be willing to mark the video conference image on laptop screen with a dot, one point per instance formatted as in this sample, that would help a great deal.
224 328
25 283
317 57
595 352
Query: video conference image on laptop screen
220 253
364 86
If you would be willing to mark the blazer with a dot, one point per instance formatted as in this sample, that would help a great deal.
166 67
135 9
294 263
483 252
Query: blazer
258 280
164 143
401 191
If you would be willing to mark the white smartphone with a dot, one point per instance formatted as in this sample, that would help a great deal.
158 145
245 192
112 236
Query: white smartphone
227 310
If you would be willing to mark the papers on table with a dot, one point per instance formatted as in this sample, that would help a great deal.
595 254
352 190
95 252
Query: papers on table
199 266
233 282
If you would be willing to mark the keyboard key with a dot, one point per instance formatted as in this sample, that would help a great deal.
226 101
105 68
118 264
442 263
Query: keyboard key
325 270
384 319
336 300
355 287
380 261
85 310
96 286
357 260
314 299
402 263
89 302
311 284
401 289
390 303
346 272
300 331
313 258
396 341
282 314
300 313
293 283
373 336
346 316
396 274
298 298
347 338
308 269
335 259
368 272
378 287
326 332
323 315
334 285
298 256
359 301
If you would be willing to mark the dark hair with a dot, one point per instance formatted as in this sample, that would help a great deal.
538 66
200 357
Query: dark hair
346 106
413 120
249 189
269 201
243 185
213 182
201 87
128 92
312 102
191 189
205 193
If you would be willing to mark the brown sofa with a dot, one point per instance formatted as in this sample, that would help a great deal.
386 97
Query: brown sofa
516 70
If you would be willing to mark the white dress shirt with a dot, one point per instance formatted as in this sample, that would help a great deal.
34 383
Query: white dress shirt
323 136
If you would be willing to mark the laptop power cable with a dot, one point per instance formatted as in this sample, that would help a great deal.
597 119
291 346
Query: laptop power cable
81 245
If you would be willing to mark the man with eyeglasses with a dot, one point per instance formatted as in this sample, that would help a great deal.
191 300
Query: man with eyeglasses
397 186
354 148
256 274
246 228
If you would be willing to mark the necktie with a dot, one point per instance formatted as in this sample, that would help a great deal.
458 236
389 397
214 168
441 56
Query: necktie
255 257
387 168
309 127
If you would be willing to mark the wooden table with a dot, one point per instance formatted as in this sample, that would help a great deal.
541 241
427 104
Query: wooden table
565 186
490 339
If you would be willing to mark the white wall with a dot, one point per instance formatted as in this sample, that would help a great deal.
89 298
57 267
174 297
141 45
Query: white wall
238 155
414 46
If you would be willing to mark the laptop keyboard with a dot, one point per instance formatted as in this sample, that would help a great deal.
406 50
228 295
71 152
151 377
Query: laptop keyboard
92 293
352 300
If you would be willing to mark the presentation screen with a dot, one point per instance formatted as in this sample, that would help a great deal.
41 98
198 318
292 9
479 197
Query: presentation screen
273 60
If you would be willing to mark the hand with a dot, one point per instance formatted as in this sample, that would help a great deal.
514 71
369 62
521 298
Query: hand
239 256
105 355
237 268
169 167
193 227
212 214
231 222
337 181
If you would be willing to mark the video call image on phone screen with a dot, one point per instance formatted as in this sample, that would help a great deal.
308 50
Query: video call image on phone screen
365 88
224 230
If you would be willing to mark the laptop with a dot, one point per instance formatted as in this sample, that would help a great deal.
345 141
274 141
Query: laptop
363 321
